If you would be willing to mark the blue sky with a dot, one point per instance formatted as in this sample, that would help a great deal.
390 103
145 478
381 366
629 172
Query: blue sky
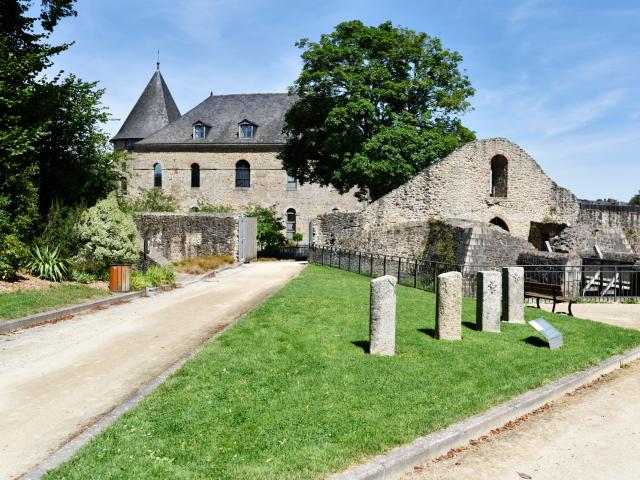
560 78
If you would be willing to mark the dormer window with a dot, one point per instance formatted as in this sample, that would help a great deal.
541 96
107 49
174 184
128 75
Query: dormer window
246 129
199 130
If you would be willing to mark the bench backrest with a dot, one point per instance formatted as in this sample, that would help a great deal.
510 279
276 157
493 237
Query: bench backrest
543 288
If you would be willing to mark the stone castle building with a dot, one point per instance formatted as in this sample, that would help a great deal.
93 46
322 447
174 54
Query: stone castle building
223 152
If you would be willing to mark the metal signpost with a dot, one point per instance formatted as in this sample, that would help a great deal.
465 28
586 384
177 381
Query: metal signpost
548 331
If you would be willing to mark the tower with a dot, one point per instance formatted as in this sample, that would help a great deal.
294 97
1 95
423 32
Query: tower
154 109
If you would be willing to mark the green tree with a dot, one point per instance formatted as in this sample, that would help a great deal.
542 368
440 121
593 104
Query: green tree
270 227
375 106
635 200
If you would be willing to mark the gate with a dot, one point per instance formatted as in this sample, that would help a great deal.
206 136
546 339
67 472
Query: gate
247 239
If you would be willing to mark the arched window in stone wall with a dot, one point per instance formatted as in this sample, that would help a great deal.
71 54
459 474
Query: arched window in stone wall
195 175
499 176
243 174
498 222
157 175
291 223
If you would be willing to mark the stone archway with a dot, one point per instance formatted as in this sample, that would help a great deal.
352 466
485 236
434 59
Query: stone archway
498 222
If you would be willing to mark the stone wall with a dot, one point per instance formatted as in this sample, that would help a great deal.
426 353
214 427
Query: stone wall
268 187
458 187
177 236
625 218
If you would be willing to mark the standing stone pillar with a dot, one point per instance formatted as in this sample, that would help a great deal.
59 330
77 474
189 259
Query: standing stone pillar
449 306
488 302
382 327
513 294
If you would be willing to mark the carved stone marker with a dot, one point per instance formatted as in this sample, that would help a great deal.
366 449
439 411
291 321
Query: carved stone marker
382 327
489 293
449 306
513 294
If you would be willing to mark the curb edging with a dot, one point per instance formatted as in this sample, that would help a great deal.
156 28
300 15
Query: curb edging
401 460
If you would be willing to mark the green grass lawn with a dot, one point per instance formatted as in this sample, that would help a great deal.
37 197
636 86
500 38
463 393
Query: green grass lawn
20 304
288 392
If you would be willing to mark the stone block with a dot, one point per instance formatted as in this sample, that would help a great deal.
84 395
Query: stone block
513 294
382 331
488 301
449 306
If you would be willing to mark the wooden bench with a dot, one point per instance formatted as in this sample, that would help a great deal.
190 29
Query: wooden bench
547 291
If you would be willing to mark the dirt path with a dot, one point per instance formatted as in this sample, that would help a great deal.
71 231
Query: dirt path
619 314
593 434
56 378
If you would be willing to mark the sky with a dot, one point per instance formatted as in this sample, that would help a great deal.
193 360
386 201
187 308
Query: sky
559 78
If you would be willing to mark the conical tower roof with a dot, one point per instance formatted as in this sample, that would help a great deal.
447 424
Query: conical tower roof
154 109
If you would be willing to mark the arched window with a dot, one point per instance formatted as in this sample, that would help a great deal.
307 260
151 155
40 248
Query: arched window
243 174
498 176
195 175
291 223
157 175
498 222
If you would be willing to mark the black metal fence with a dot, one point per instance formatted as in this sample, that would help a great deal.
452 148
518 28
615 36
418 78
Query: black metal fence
593 282
296 252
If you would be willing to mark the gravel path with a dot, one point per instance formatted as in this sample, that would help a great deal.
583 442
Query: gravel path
56 379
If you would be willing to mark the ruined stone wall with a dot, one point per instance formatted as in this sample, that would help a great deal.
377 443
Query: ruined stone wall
456 187
178 236
625 218
217 183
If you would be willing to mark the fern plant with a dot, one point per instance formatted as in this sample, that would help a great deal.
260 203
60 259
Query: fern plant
47 264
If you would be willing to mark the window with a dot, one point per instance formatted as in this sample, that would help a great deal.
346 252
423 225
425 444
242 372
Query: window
157 175
246 130
128 143
291 223
195 175
199 130
292 184
498 186
243 174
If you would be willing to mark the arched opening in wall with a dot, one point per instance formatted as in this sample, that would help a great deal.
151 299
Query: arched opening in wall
243 174
498 222
291 223
499 180
157 175
195 175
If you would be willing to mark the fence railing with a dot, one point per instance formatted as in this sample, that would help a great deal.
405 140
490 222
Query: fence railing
296 252
594 282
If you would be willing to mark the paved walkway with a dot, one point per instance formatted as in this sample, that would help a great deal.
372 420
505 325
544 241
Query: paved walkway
56 379
593 434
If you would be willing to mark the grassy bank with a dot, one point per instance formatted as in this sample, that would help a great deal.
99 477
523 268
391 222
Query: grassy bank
20 304
289 392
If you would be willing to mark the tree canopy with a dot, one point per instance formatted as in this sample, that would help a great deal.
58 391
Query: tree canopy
635 200
375 106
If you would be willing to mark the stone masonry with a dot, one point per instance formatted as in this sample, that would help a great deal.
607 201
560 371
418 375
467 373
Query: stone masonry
513 294
489 292
178 236
449 306
382 333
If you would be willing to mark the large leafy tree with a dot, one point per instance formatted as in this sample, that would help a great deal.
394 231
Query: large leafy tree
375 106
635 200
51 145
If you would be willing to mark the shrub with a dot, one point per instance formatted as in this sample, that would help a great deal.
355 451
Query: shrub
150 200
137 281
60 229
202 264
108 235
81 277
48 264
160 275
270 227
210 208
12 254
297 237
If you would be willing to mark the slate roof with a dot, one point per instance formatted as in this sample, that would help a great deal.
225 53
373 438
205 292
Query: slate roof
154 109
223 113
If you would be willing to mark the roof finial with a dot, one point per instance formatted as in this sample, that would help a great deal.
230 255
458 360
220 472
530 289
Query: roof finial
158 61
